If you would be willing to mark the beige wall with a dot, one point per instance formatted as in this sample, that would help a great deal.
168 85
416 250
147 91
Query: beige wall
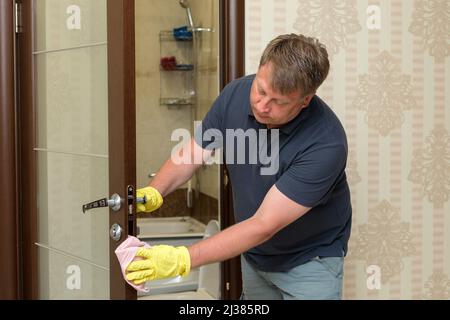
390 88
155 122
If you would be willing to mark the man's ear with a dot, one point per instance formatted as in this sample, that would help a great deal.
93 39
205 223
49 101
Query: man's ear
307 99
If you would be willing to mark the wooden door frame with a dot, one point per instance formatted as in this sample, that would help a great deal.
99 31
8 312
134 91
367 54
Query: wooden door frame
122 154
20 252
9 217
232 23
27 157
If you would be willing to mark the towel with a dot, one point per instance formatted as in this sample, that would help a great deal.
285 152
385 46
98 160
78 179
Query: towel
126 253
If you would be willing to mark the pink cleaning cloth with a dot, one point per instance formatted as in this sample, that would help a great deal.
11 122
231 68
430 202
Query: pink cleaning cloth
126 253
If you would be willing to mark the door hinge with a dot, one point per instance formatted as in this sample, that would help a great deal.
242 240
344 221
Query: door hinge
18 17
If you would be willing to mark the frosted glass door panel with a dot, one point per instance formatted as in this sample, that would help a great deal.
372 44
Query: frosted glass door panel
71 98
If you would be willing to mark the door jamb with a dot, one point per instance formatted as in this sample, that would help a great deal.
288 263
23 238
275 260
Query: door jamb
232 67
9 218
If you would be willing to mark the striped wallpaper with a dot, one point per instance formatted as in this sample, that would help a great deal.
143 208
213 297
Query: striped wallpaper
389 84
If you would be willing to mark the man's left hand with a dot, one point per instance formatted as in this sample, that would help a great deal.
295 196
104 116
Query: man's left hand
159 262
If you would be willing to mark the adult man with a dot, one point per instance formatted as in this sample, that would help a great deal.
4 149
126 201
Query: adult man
293 224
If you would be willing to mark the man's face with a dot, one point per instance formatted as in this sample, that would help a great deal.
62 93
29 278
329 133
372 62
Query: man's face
271 108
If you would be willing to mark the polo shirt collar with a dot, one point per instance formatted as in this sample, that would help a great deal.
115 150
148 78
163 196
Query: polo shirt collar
289 127
249 110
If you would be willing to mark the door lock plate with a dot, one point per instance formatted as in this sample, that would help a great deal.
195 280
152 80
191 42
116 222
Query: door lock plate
115 232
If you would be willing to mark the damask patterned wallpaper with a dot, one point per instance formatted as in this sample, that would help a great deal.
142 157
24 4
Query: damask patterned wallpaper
389 85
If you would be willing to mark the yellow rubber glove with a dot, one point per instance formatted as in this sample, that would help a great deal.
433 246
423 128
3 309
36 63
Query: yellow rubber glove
159 262
153 197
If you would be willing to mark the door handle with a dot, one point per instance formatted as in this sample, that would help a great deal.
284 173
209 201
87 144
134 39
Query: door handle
115 203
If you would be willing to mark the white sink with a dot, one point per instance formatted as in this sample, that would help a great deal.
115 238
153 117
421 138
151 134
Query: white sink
177 227
179 284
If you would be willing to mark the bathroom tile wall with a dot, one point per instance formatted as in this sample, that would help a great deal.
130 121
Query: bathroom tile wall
205 207
154 123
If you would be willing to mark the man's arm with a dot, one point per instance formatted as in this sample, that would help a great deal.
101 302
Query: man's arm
173 175
276 212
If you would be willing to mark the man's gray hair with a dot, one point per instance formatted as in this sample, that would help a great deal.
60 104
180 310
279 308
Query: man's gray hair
298 63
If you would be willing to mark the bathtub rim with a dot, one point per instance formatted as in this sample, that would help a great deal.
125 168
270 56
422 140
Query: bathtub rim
199 226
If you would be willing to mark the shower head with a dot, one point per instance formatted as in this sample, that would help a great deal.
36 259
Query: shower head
185 4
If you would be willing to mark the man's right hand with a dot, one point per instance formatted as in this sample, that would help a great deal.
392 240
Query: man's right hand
153 198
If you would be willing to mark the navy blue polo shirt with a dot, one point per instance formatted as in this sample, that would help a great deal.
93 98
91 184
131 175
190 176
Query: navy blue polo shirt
312 156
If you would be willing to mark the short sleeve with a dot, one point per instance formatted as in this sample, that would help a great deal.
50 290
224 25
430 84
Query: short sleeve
312 177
